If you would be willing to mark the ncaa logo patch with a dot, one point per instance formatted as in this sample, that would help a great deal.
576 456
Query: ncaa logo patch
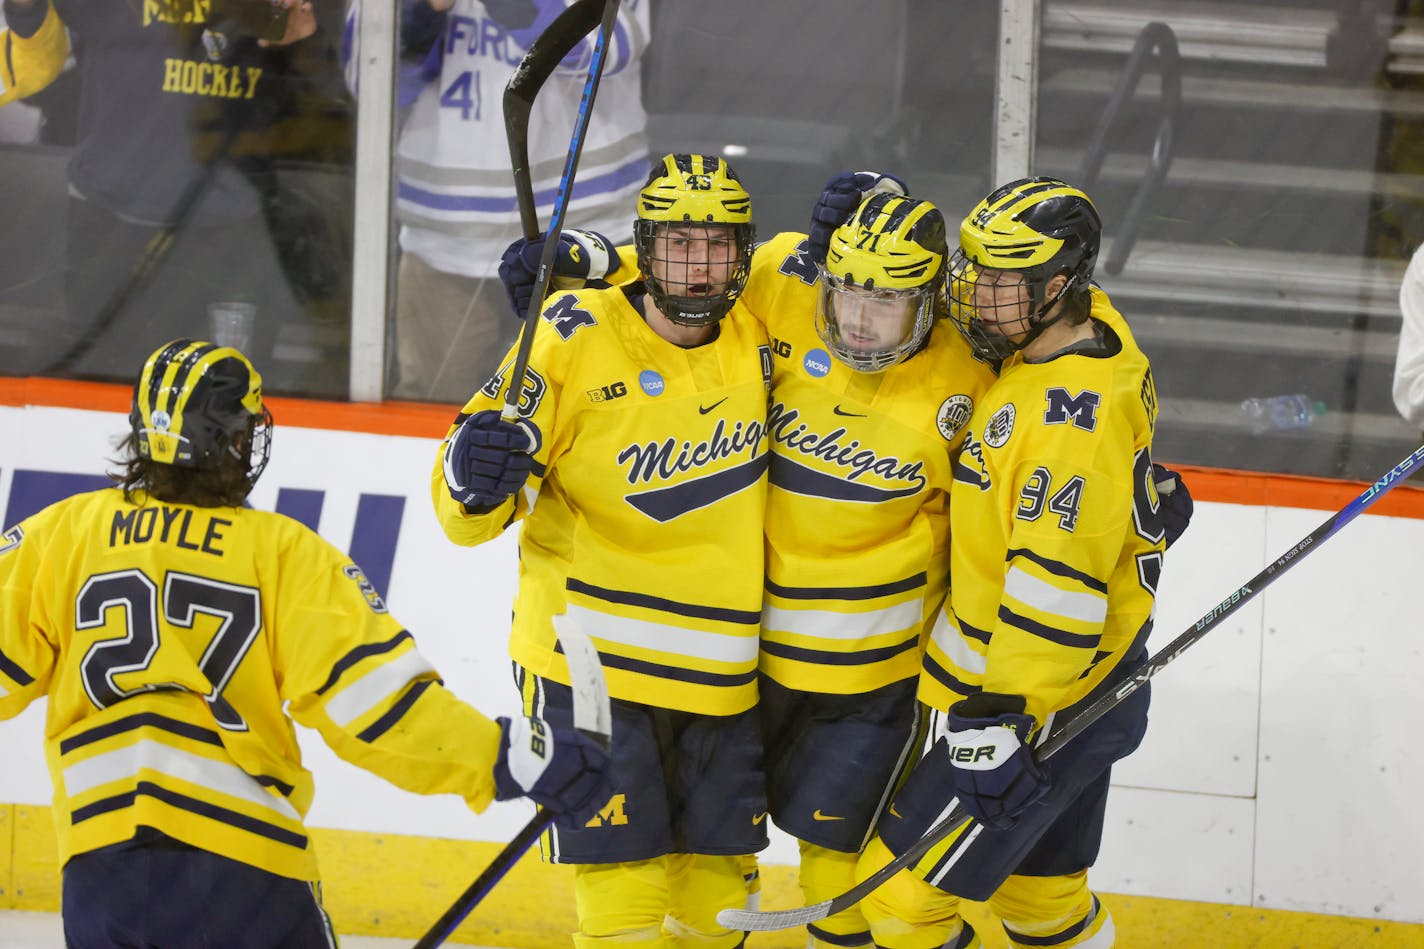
953 415
1000 426
817 363
651 382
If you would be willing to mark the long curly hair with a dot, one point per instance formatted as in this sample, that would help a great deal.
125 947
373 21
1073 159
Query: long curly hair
224 486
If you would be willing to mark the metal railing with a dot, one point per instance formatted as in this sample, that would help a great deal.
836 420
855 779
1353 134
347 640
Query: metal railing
1158 38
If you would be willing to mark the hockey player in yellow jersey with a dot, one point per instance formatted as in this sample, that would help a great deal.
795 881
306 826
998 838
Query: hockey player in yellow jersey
870 400
1057 552
168 626
870 397
642 436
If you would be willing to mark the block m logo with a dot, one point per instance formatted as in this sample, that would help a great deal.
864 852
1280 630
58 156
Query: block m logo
614 813
1080 409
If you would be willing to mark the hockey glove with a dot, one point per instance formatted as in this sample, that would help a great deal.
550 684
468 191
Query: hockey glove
1174 502
995 775
488 459
560 768
583 256
839 200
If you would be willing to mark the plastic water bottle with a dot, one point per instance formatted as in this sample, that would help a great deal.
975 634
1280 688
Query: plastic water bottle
1280 413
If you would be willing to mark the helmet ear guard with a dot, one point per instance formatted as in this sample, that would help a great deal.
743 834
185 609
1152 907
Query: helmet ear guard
701 198
1038 228
198 405
883 265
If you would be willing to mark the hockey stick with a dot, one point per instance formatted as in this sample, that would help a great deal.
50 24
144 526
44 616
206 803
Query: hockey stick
154 254
536 67
593 716
786 919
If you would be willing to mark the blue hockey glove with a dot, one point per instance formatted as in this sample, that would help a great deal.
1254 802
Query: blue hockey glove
838 201
560 768
488 459
1174 502
995 775
583 256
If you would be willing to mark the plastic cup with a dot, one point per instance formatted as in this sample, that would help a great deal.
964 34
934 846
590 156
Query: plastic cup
230 324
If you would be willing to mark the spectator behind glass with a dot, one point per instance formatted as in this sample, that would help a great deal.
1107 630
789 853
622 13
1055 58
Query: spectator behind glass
171 185
455 190
1409 364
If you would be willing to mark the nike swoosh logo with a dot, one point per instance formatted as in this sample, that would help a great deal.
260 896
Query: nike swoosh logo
840 411
817 815
759 818
704 409
895 813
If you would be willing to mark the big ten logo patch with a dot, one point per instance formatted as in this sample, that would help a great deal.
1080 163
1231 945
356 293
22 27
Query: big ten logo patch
613 814
614 390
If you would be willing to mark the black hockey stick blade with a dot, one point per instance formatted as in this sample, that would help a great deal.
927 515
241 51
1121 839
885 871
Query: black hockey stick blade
769 921
593 715
539 62
478 890
510 410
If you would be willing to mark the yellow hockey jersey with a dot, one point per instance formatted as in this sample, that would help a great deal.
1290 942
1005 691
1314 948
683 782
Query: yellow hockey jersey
1058 546
169 637
857 527
642 518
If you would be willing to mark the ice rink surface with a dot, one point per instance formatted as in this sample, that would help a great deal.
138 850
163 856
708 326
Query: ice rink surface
43 931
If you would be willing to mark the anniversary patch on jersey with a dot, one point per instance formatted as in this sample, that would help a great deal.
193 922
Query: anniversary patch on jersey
817 363
368 589
764 351
11 539
1000 426
953 415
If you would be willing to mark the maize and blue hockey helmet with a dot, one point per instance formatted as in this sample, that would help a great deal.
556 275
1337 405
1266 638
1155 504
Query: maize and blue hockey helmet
198 405
880 280
1023 235
700 199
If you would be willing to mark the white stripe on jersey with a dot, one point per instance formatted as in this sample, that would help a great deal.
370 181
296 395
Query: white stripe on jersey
825 624
365 693
1047 598
660 637
955 645
150 755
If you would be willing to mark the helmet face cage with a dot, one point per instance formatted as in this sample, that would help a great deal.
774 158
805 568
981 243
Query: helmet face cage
878 285
694 237
1011 247
198 405
694 273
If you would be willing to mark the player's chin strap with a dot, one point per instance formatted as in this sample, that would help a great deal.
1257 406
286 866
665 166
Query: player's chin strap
786 919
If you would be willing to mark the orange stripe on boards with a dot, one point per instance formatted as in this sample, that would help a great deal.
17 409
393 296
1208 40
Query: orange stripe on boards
1321 494
415 419
432 420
